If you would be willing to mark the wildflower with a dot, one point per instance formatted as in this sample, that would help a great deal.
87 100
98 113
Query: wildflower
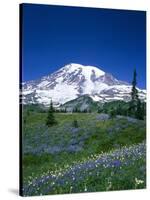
53 183
138 181
109 185
85 188
71 189
116 163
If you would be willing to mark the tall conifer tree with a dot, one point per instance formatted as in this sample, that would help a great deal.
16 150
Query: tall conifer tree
134 96
50 117
136 108
134 93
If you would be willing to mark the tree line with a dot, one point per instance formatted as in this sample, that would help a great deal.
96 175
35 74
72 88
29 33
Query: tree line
134 108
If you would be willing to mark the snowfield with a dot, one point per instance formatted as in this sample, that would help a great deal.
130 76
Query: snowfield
74 80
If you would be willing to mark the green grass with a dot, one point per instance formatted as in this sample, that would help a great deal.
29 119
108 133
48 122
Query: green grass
124 178
100 136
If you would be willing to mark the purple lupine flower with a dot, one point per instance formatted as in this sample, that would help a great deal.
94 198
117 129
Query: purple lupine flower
116 163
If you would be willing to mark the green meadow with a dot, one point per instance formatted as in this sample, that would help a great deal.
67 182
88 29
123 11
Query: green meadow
100 153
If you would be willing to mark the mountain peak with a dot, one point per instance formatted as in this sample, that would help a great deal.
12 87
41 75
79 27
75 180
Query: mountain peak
86 69
75 80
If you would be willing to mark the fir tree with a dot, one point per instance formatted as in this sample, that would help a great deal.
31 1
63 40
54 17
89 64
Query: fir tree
112 113
75 123
85 110
144 109
134 93
136 107
100 110
50 117
139 112
119 110
134 96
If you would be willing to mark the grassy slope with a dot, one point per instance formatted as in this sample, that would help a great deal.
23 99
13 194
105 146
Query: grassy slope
93 137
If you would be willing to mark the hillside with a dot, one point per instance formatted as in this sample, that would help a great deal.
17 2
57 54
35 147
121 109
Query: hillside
63 159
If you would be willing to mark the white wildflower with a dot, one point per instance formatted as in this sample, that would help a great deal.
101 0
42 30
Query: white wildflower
85 188
138 181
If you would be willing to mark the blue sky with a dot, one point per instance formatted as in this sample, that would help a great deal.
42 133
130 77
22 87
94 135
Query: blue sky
53 36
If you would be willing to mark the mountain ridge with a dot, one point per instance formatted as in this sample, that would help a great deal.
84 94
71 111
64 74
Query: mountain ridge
74 80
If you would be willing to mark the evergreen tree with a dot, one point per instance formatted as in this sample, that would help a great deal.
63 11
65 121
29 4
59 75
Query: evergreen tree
112 113
100 110
89 110
119 110
75 109
85 110
75 123
136 107
139 112
134 93
144 109
134 96
50 117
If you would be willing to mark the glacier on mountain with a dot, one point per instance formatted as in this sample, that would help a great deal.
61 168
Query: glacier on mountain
74 80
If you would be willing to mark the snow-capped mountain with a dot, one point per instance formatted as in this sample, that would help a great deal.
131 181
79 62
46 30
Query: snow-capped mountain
74 80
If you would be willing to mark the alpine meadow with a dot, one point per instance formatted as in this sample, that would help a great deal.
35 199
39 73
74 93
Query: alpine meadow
83 126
